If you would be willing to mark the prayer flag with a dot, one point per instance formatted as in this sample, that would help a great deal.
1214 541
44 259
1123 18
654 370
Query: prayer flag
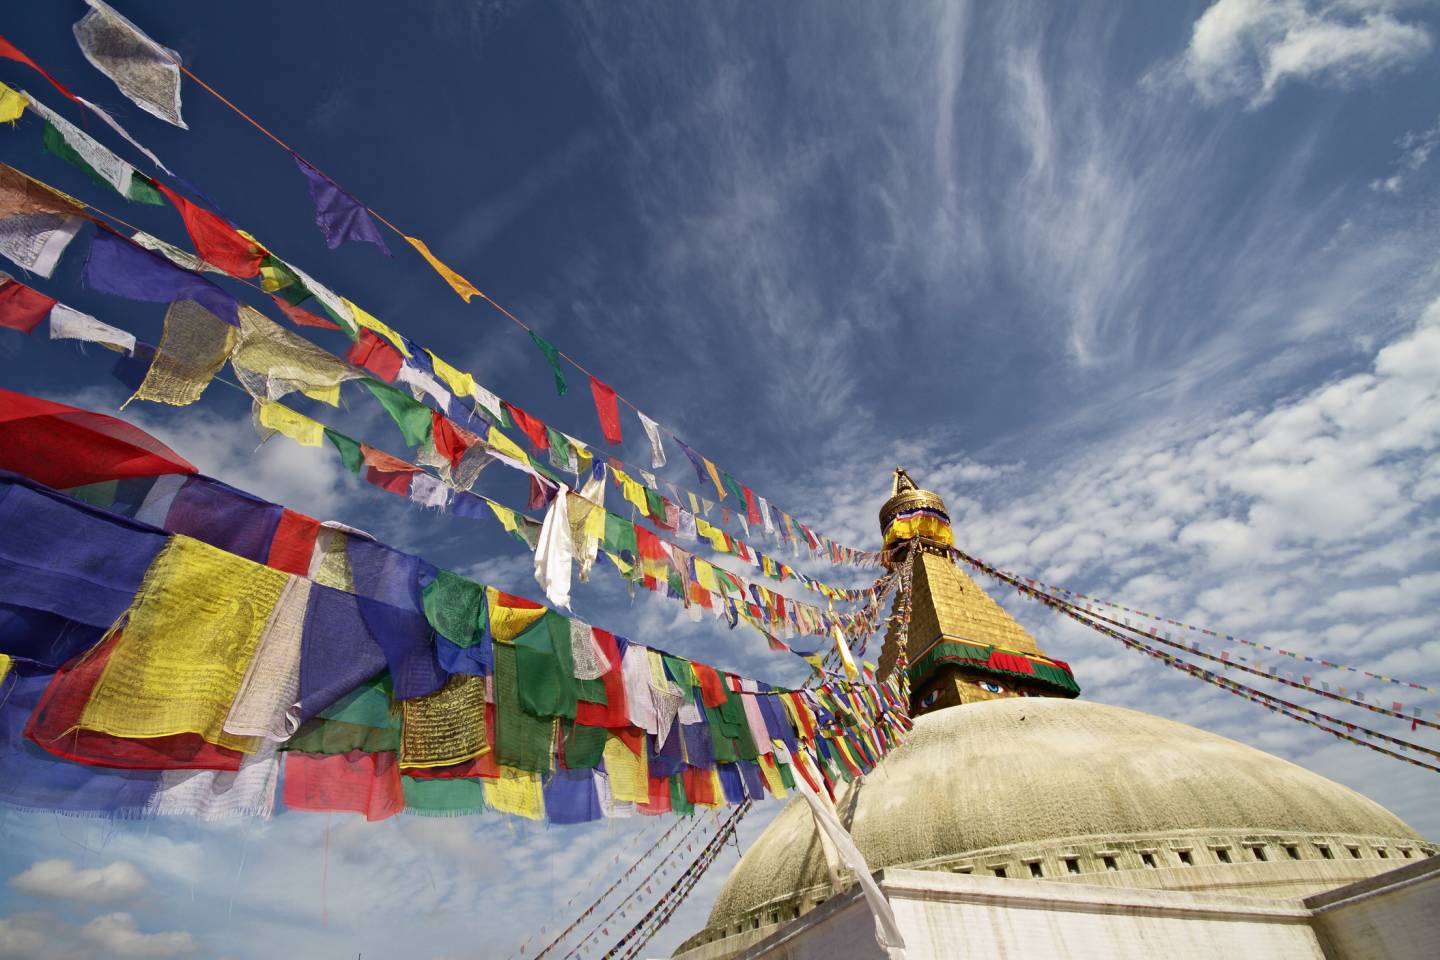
368 321
68 324
117 266
339 215
409 414
303 318
216 241
552 357
22 308
146 72
715 478
12 104
459 284
607 410
652 430
531 426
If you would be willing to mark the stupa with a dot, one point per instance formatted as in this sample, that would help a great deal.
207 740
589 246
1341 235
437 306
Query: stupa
1011 787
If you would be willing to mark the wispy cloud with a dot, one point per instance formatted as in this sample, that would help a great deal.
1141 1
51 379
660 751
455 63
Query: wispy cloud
1249 49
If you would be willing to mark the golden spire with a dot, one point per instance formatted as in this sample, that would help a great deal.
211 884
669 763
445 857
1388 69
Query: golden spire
962 646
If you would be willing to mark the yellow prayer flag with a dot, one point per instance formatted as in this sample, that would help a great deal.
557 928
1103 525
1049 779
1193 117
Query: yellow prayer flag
505 515
459 284
507 623
460 383
517 792
5 662
773 783
273 278
378 325
715 476
694 504
629 773
11 104
330 394
595 524
846 660
296 426
505 446
705 575
187 642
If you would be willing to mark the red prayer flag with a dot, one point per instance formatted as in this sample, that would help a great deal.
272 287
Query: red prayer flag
216 242
354 782
659 797
293 543
533 427
63 446
699 785
612 713
54 725
304 318
607 410
12 52
21 307
395 481
447 441
712 690
752 508
375 355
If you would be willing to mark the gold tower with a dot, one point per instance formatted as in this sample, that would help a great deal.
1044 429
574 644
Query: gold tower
963 647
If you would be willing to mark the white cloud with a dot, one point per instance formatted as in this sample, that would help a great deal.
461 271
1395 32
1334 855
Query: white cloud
1415 146
117 933
62 879
1250 48
20 939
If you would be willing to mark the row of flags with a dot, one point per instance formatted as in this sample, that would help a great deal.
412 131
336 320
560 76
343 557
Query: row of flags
150 74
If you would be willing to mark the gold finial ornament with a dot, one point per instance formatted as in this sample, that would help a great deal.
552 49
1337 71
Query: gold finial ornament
905 496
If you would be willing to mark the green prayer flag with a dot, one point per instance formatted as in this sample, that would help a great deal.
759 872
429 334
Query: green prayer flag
455 608
721 746
410 415
443 797
655 504
620 536
732 487
680 804
142 190
679 670
561 453
552 357
522 741
547 667
350 453
360 720
291 290
584 745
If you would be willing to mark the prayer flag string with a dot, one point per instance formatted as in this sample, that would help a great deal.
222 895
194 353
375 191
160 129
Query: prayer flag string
341 216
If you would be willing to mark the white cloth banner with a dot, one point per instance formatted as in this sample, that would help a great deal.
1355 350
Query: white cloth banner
887 931
421 382
652 430
146 72
216 794
429 492
36 241
70 324
555 554
267 704
111 168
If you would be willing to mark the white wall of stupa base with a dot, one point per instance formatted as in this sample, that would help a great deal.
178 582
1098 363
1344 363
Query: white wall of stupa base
1393 916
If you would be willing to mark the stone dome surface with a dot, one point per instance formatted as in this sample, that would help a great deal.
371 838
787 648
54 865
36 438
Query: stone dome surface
1081 791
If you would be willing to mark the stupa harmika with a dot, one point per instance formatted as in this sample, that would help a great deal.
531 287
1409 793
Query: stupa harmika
1010 786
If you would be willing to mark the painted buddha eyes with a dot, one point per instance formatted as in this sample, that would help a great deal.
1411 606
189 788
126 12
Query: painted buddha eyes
991 687
929 699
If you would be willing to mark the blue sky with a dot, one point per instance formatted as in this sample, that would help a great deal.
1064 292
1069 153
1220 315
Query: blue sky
1147 291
